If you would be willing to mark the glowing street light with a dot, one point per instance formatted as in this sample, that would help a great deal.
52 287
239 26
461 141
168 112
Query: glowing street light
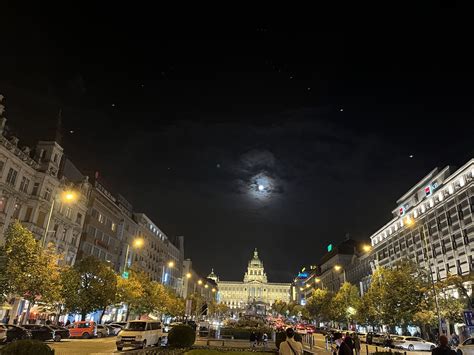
171 264
338 268
213 290
188 275
136 243
68 196
206 286
199 282
366 248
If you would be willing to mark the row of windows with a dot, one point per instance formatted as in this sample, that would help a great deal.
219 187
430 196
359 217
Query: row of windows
232 289
102 219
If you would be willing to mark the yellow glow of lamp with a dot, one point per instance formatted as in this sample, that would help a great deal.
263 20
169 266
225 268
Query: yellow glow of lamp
188 275
317 280
206 286
171 264
138 242
409 221
200 282
337 267
213 290
68 196
366 248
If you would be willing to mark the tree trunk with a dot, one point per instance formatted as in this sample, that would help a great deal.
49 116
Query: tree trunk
448 330
83 316
102 314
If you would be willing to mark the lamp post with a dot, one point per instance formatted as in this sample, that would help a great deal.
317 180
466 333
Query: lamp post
137 243
410 223
339 268
170 265
67 196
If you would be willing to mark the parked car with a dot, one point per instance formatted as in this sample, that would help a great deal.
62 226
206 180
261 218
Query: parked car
116 328
466 348
301 328
375 338
140 334
15 332
310 329
59 332
40 332
83 329
102 331
362 337
112 330
412 343
3 333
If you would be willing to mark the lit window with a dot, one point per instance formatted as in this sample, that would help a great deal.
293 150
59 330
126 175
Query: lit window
3 203
450 189
68 212
113 227
24 184
47 194
101 218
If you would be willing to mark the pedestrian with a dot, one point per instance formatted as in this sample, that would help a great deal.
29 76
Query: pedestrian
341 346
443 347
290 346
265 339
253 339
454 339
348 340
356 340
15 320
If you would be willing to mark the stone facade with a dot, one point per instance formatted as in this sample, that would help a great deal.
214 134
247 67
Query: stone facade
254 288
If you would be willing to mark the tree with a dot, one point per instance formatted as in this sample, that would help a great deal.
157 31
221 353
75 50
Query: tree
365 312
4 281
396 294
89 286
318 305
345 303
32 272
280 307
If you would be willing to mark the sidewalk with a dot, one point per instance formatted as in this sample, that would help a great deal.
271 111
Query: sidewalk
233 343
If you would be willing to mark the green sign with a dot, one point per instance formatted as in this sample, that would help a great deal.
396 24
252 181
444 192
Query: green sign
329 247
125 274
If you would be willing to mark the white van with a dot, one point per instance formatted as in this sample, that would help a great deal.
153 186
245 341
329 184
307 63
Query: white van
140 334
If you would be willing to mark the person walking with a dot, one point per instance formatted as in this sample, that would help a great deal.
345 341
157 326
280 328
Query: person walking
356 341
265 340
348 340
290 346
341 346
443 347
253 339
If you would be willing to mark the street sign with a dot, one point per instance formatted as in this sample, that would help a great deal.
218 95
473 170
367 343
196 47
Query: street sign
125 274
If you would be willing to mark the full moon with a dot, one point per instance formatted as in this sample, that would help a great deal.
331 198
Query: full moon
261 187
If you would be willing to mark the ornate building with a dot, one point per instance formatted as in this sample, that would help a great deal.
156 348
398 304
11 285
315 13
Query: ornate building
255 287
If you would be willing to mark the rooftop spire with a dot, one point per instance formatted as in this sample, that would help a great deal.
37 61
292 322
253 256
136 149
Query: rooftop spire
255 254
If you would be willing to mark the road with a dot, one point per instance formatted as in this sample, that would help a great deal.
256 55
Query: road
320 347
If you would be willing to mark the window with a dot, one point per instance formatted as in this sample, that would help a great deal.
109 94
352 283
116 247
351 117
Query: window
3 203
459 269
11 177
79 218
47 194
41 218
101 218
460 212
2 164
55 158
24 184
35 189
453 242
465 237
29 212
113 227
68 212
447 269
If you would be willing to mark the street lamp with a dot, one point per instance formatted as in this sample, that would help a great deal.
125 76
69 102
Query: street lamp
68 196
366 248
170 265
339 268
136 243
188 275
199 282
410 223
213 290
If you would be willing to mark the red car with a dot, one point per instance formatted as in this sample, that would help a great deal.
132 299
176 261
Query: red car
310 329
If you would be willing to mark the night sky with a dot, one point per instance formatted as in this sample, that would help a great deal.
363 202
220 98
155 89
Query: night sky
284 133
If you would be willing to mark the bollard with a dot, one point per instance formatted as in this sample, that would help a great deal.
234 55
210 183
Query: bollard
367 349
376 350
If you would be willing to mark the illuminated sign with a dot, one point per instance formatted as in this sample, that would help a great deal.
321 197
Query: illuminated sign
428 190
302 275
125 275
329 247
401 211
